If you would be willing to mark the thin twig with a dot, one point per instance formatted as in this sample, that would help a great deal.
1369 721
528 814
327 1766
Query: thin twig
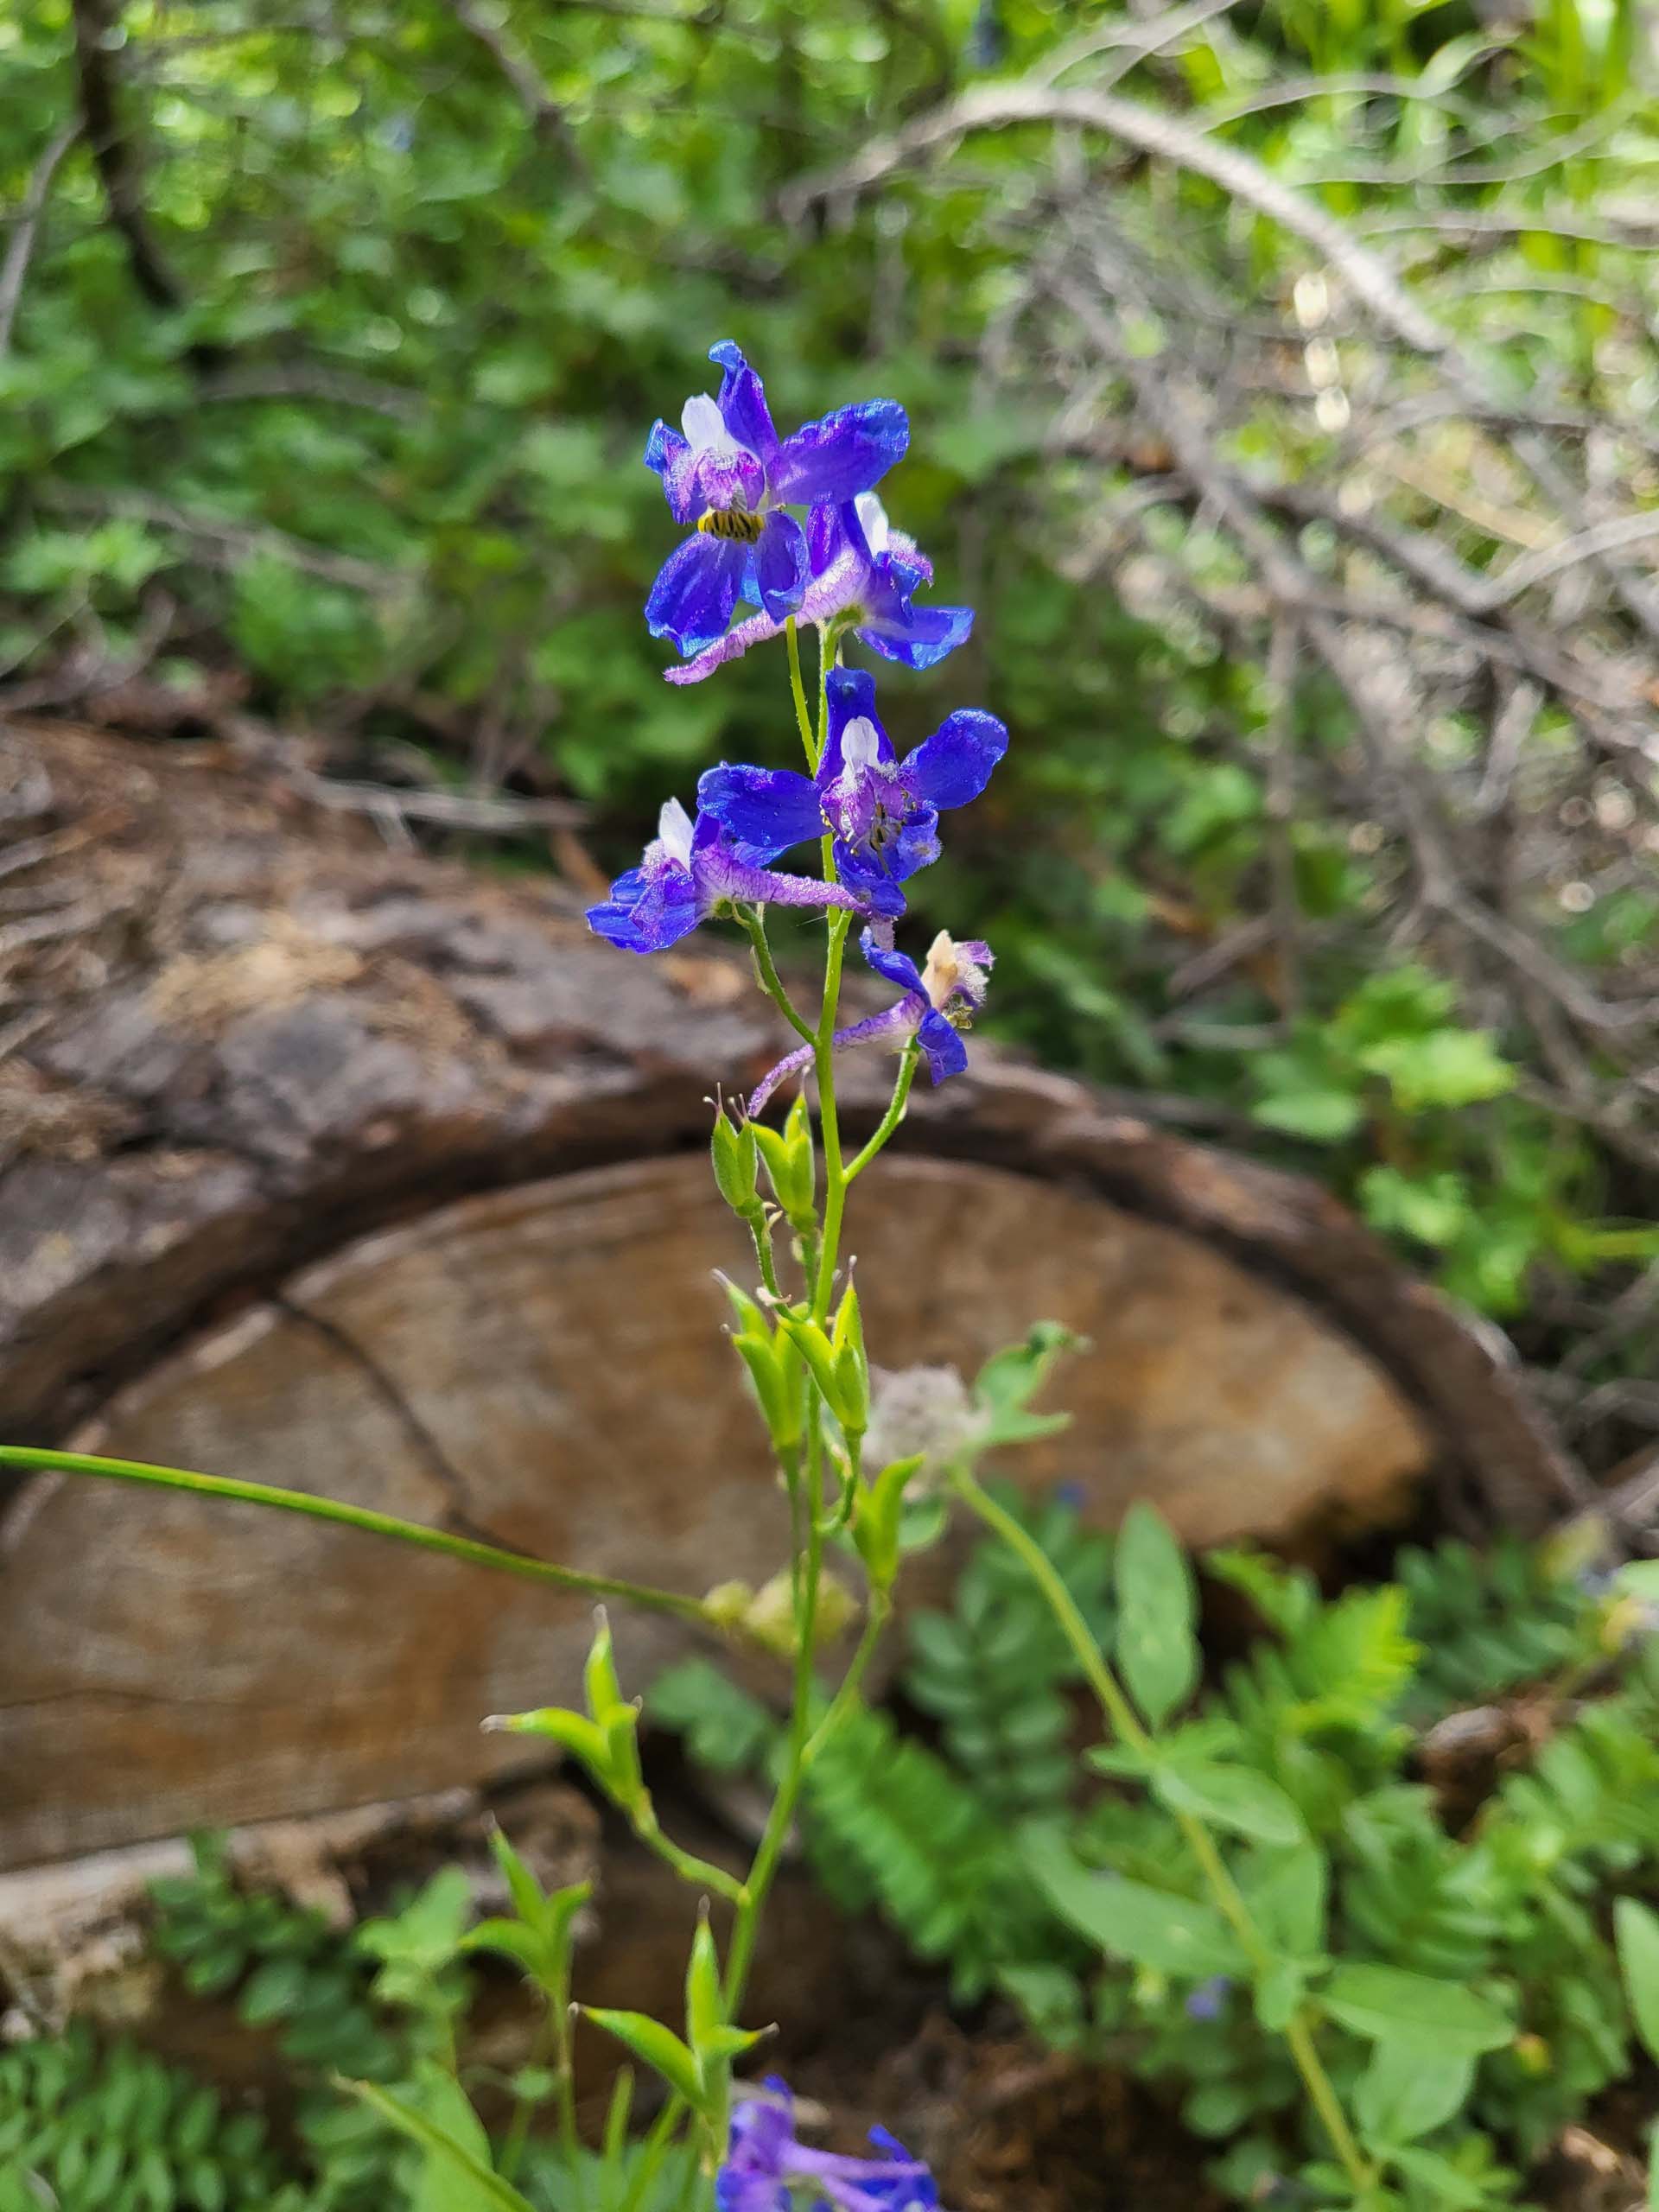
21 249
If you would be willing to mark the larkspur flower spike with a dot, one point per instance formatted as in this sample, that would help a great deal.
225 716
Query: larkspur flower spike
727 470
690 870
938 1000
764 2156
883 812
863 577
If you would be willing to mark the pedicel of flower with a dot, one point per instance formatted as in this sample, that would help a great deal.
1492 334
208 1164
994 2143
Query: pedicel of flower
863 576
691 870
764 2156
727 470
883 812
939 1002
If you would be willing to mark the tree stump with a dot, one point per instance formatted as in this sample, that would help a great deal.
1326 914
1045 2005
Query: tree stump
338 1167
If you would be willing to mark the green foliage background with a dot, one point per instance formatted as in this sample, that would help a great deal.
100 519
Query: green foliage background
424 273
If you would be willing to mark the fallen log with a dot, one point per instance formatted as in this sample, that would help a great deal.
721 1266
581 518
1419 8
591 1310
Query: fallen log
338 1167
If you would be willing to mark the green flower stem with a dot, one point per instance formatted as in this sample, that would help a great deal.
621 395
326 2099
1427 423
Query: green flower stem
753 922
798 688
823 1058
1121 1713
655 2150
894 1114
701 1873
761 1229
466 1548
545 2046
747 1925
846 1695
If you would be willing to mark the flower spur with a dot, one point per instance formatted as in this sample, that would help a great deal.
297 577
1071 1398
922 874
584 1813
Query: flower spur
939 1000
691 870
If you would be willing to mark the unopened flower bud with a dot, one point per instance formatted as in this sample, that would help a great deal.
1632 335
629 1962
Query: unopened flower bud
736 1162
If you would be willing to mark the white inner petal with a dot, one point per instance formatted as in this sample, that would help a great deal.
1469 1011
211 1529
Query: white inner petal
872 520
861 744
674 828
705 429
944 969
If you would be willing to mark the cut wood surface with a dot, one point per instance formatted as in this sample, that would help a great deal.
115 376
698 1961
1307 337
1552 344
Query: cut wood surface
338 1167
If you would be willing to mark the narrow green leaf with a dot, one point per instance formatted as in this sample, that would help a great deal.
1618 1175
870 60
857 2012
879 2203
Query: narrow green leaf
705 2010
526 1892
1385 2003
1157 1639
509 1939
1151 1928
658 2046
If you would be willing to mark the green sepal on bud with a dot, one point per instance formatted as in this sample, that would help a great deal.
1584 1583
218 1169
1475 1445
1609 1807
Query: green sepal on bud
791 1164
776 1373
836 1357
736 1157
879 1519
606 1738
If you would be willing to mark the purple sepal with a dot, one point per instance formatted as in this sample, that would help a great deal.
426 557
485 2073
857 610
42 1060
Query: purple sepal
763 2159
765 809
742 403
689 870
697 588
841 455
777 584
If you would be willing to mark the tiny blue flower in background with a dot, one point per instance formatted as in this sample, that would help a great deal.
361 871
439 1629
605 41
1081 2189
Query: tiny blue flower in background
883 812
864 575
938 1001
1209 2000
726 470
689 870
763 2157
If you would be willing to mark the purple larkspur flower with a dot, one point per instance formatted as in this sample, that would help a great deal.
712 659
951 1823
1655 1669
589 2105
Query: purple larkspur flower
689 869
727 470
882 812
764 2156
863 577
939 1000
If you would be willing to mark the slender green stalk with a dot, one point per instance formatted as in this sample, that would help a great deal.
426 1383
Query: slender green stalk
466 1548
798 688
823 1055
524 2108
701 1873
746 1926
846 1695
565 2059
654 2152
894 1114
760 1230
754 927
1121 1713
